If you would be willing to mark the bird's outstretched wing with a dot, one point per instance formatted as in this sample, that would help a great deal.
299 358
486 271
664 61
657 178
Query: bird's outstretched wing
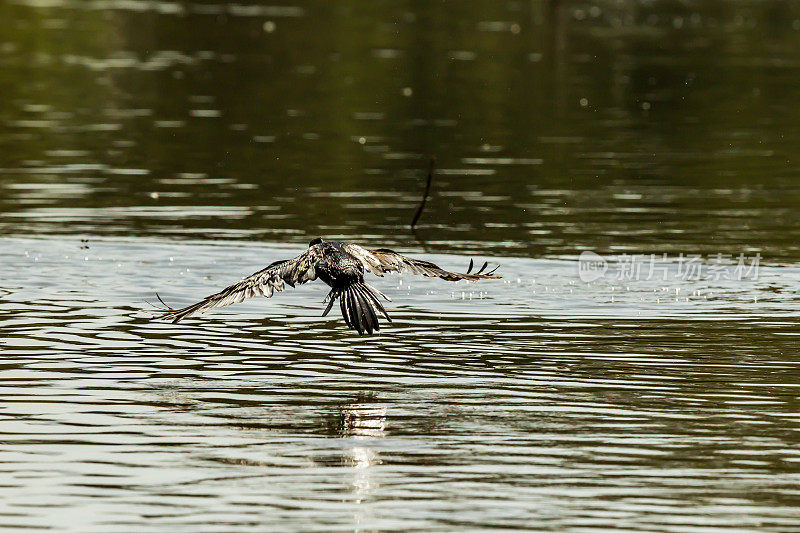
262 283
383 260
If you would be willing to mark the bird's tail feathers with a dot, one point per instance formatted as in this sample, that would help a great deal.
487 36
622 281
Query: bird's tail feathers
359 305
373 289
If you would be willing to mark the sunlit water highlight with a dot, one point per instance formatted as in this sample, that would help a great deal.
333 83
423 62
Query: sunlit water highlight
192 143
535 399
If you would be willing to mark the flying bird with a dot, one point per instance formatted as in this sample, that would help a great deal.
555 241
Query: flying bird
341 265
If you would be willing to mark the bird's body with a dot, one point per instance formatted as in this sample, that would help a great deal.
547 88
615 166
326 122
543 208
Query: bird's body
336 267
340 265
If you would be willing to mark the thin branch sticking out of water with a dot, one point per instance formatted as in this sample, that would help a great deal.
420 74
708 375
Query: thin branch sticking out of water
425 194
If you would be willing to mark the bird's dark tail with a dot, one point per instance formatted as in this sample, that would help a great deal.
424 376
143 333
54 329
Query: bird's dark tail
359 303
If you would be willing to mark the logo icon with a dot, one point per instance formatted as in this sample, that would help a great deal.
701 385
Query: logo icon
591 266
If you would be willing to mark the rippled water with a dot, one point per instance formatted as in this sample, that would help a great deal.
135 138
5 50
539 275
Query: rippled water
557 126
536 400
176 146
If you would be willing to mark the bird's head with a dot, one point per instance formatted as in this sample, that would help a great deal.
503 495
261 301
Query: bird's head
314 242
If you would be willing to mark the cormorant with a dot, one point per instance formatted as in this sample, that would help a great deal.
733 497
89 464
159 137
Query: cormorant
339 264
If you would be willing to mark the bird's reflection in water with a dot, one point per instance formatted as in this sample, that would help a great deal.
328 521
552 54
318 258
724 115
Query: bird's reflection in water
345 444
360 422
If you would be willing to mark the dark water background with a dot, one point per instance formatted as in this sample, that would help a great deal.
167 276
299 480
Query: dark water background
191 143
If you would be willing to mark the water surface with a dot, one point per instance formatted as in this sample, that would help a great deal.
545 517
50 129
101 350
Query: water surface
174 147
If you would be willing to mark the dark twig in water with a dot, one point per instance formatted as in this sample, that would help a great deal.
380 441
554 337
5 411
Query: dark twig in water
422 242
425 194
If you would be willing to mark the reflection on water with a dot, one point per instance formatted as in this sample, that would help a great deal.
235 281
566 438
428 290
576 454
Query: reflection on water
362 424
152 145
558 126
535 399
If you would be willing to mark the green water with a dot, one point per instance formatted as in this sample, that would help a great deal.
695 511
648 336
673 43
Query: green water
178 146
